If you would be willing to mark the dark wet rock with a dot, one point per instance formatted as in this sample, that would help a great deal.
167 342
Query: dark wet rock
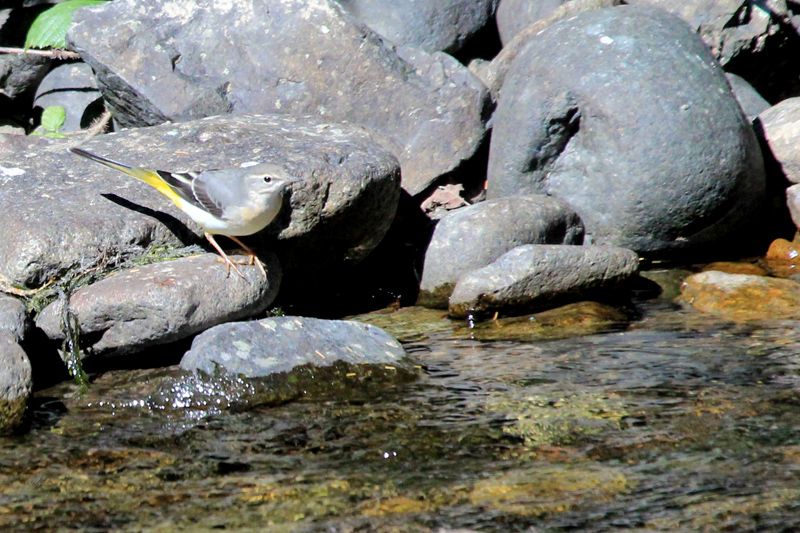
282 56
742 297
431 26
280 344
73 87
540 275
755 40
780 125
56 209
163 302
751 102
473 237
16 382
14 317
663 165
20 74
519 21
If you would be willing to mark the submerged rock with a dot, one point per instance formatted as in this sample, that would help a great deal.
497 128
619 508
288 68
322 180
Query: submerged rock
741 296
571 320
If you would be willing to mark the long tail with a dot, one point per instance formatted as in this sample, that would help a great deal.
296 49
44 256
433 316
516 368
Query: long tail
148 176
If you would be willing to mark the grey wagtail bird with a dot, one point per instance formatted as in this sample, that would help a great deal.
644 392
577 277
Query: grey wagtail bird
233 202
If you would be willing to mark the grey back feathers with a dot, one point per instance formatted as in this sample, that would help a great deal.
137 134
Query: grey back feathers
218 191
240 192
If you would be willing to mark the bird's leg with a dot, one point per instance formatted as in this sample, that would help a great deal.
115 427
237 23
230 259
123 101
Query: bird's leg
253 257
228 262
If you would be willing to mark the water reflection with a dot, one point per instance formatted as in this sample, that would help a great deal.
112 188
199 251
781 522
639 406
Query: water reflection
677 422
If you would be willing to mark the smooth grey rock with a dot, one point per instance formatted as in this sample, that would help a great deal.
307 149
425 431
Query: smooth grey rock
14 317
16 383
57 209
780 125
73 87
527 26
431 26
279 344
663 164
513 16
751 102
281 56
535 276
473 237
163 302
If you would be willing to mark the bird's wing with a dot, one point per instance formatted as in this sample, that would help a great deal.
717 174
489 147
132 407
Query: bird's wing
194 189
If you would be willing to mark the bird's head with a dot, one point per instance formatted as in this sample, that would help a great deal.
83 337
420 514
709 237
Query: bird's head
267 179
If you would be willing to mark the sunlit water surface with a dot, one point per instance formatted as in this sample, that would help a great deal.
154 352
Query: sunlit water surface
673 422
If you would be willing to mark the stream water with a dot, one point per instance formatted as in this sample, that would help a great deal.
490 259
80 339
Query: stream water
671 421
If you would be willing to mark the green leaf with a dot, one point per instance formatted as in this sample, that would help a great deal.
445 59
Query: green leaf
50 27
53 118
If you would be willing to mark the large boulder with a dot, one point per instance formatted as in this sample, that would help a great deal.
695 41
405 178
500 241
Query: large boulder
440 25
519 21
59 212
282 56
624 114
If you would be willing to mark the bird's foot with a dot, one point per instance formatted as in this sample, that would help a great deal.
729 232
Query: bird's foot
231 264
252 260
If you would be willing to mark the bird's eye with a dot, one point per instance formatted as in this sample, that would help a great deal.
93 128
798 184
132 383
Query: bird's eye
267 179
